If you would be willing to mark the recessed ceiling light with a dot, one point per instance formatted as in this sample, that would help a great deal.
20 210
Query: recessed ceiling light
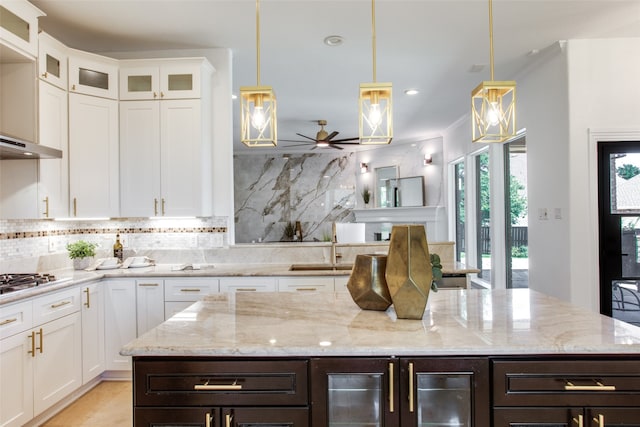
411 92
333 40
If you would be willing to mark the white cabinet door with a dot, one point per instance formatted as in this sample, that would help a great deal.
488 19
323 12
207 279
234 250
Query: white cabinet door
150 304
19 189
93 75
53 184
52 61
138 81
16 380
180 79
93 356
182 158
57 365
140 159
120 321
163 78
93 156
20 28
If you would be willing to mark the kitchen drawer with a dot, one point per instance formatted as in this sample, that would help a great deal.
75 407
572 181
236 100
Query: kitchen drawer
193 382
189 289
581 382
248 284
305 284
15 318
56 305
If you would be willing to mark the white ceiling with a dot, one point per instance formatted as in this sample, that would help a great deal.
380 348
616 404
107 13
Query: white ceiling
429 45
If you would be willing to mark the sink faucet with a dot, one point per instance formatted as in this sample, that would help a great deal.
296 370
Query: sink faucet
299 230
334 241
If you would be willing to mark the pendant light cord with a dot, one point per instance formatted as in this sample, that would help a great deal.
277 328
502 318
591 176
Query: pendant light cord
491 37
258 42
373 38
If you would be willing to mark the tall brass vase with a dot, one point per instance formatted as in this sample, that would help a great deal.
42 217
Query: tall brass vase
408 273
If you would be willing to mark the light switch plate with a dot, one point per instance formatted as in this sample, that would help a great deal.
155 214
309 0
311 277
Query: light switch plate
543 214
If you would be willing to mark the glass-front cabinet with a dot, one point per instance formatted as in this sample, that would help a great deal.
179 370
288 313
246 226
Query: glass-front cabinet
161 79
392 392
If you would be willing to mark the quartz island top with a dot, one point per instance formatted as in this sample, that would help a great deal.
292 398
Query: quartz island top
456 322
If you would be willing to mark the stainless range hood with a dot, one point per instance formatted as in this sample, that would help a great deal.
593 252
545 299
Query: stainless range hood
16 149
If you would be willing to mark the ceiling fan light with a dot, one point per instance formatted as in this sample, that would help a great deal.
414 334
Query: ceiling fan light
376 113
258 124
493 111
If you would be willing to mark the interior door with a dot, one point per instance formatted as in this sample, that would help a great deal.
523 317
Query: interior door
619 229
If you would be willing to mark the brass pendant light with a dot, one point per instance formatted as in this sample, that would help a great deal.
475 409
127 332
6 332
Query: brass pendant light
258 121
493 104
375 102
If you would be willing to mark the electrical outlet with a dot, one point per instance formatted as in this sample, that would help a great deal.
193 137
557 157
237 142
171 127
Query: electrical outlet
543 214
52 245
193 240
557 213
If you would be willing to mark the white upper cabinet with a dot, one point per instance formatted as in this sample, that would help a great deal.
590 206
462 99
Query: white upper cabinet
52 61
19 28
93 75
162 78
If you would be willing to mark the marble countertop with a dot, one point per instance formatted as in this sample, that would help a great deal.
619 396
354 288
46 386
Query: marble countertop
457 322
70 277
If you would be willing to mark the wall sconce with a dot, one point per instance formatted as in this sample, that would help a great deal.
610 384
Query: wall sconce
364 168
428 159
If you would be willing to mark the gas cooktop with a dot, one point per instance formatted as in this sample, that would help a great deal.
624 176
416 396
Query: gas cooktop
21 281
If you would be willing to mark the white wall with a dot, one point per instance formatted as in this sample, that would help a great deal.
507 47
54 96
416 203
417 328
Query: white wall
604 95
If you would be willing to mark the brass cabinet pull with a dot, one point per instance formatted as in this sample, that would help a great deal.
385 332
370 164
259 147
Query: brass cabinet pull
598 387
246 289
40 333
73 87
579 421
410 387
7 321
147 284
207 418
155 201
46 207
32 352
189 290
88 303
227 420
75 207
600 420
155 95
306 289
44 74
163 203
161 94
208 387
391 387
60 304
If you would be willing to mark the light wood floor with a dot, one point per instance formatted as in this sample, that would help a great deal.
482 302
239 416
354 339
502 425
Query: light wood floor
109 404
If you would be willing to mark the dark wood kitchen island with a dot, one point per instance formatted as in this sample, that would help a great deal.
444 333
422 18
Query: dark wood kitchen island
476 358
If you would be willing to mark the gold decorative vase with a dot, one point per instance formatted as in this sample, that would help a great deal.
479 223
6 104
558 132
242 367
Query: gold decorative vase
367 284
408 272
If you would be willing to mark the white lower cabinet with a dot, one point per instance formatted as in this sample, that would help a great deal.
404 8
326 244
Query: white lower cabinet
40 364
305 284
120 322
93 356
150 304
180 293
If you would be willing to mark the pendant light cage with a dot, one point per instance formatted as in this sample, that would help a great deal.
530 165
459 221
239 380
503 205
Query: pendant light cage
376 113
258 119
493 111
375 102
258 123
493 104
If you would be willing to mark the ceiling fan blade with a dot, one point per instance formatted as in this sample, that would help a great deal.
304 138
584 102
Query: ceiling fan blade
345 140
336 147
296 140
331 135
304 144
305 136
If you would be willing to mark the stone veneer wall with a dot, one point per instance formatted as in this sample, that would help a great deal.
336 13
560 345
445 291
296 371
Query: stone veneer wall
272 190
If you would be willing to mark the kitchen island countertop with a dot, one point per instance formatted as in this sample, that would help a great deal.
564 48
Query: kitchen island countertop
457 322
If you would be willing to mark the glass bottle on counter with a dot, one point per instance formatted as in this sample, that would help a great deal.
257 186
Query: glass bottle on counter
117 248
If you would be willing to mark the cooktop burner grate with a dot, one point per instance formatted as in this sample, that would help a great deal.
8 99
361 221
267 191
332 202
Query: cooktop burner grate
19 281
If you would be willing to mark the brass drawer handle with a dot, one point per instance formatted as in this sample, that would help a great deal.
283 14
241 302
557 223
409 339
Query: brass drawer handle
190 290
207 386
88 303
32 352
598 387
246 289
306 289
41 346
410 387
600 420
60 304
391 409
147 284
7 321
579 421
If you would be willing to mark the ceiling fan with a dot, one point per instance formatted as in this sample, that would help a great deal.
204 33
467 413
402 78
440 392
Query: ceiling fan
323 139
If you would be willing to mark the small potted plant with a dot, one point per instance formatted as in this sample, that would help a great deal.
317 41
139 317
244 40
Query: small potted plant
366 195
81 253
